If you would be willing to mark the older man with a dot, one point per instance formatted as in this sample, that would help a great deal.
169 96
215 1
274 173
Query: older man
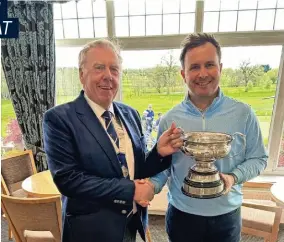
96 153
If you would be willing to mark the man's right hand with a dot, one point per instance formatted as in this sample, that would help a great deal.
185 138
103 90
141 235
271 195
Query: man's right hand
144 192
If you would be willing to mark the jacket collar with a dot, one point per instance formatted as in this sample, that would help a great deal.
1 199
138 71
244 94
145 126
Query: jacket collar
88 118
92 123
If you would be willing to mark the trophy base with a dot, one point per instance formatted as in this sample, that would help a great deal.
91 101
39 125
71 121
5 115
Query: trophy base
203 190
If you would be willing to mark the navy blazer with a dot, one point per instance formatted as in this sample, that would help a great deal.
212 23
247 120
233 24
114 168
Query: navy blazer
96 198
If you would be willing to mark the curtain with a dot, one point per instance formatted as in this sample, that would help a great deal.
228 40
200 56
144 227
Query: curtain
29 67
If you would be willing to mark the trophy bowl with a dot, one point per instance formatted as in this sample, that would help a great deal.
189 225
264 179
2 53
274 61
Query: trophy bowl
207 145
203 180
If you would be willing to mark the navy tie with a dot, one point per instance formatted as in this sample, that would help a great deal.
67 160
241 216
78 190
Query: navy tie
110 128
112 133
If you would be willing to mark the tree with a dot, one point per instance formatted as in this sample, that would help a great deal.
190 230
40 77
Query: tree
249 86
157 78
169 70
14 134
228 78
273 75
264 81
139 79
59 81
249 72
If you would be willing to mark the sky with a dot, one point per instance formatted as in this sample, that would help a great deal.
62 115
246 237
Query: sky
232 56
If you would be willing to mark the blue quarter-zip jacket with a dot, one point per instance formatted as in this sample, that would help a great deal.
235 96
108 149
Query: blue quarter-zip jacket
246 159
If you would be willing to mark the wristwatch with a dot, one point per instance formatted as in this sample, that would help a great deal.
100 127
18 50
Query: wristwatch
235 178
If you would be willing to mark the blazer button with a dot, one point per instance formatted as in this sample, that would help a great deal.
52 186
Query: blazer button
123 211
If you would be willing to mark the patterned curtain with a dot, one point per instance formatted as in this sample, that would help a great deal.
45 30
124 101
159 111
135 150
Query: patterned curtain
29 67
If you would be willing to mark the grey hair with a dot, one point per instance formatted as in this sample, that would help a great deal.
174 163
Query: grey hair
99 43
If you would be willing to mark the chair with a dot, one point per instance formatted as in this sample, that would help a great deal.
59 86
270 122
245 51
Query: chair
260 216
33 219
15 169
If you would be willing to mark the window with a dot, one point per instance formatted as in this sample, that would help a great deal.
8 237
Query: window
144 80
11 136
243 15
148 17
80 19
151 77
251 76
245 20
68 84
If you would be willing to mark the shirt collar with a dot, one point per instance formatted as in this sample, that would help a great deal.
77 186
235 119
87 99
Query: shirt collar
216 102
97 109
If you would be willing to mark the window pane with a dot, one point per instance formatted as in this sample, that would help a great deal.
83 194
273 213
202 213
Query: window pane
245 4
121 26
212 5
187 6
136 7
141 81
100 27
99 7
279 21
251 77
228 21
171 6
153 7
229 4
267 4
138 81
68 84
69 10
137 26
154 25
187 23
70 28
84 8
86 28
171 24
11 135
265 19
58 30
121 7
280 4
57 11
210 22
246 20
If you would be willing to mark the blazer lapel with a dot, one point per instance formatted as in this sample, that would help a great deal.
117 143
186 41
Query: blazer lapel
93 124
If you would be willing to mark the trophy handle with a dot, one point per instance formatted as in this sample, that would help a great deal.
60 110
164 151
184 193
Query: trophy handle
243 136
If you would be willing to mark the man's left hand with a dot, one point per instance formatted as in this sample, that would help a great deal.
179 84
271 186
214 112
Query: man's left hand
170 141
228 182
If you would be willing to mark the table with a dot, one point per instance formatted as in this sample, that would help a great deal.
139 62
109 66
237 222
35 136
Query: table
40 185
277 193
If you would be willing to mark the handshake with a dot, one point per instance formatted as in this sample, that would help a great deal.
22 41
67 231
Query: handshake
144 192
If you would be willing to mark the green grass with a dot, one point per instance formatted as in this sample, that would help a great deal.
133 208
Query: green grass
163 102
8 113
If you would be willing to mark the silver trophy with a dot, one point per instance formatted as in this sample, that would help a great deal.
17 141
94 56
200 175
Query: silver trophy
203 180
